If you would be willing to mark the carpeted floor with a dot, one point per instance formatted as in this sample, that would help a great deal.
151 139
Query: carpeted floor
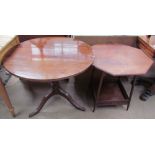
57 107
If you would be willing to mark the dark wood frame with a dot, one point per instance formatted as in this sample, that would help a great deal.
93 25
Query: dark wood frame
146 81
147 49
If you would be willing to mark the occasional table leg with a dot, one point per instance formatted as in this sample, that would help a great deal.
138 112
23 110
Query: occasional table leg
57 90
70 99
43 102
131 92
90 83
98 91
91 86
6 99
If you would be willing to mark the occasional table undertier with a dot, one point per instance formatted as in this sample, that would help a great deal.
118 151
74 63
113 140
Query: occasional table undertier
112 93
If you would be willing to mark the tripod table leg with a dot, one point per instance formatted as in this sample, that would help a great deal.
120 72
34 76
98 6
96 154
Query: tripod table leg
43 102
70 99
57 90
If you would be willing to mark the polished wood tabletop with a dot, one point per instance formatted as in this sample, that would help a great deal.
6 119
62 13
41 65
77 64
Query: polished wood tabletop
119 60
49 58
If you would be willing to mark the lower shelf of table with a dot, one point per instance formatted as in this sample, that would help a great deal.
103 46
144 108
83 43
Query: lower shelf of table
112 93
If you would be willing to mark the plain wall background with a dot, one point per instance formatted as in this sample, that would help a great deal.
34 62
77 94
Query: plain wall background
91 40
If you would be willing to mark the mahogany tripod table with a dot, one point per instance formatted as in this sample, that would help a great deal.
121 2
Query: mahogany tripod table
50 59
117 60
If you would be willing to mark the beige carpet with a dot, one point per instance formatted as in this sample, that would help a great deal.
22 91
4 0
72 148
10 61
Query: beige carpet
57 107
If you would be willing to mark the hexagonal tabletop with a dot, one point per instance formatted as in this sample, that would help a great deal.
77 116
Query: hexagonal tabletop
120 60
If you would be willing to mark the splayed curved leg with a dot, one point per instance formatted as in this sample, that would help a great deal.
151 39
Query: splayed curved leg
70 99
43 102
57 90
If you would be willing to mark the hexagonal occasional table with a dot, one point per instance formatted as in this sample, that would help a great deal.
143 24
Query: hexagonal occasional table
117 60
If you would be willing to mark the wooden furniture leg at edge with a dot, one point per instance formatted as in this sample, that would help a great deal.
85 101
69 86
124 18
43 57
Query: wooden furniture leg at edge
5 97
98 91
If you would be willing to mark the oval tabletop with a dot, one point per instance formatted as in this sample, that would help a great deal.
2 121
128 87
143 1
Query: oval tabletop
49 58
119 60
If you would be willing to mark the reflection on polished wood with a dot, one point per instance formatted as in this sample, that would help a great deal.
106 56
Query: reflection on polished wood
50 58
119 60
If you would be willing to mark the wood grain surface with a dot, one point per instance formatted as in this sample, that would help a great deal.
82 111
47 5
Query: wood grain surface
119 60
49 58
